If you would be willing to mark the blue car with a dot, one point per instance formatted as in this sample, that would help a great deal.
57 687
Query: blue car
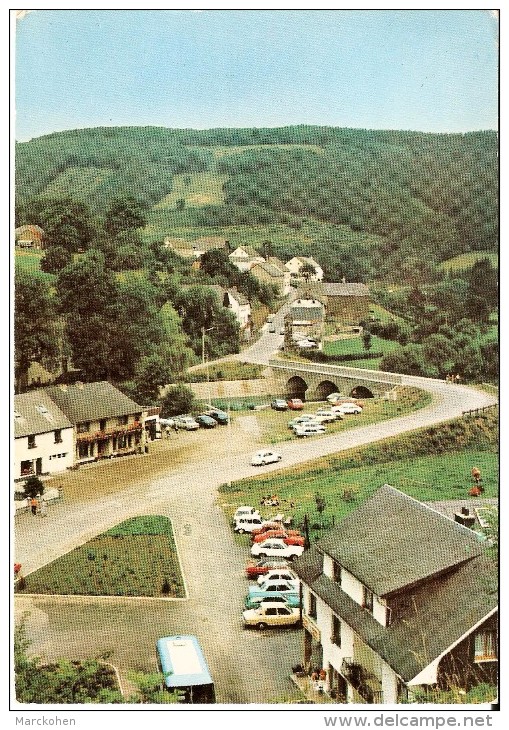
206 421
273 589
220 416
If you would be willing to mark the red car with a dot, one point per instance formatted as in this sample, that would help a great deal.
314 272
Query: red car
273 526
262 566
295 404
280 534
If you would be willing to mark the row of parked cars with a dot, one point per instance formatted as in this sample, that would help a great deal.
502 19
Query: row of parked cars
274 598
210 418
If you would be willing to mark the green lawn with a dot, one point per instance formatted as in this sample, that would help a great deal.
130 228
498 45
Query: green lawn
354 346
138 557
467 260
30 262
426 478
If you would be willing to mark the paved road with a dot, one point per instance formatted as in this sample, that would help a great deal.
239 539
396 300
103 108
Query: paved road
248 667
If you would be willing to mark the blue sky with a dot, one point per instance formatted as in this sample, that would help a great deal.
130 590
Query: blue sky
381 69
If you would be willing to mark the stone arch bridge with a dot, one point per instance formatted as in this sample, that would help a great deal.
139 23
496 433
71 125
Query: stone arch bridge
315 381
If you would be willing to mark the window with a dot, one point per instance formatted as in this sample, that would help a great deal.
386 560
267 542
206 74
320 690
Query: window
336 631
58 436
367 599
485 646
31 442
271 612
102 424
122 420
83 427
336 572
312 605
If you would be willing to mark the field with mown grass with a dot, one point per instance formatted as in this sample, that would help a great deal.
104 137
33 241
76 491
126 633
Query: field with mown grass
355 346
467 260
30 262
429 464
137 557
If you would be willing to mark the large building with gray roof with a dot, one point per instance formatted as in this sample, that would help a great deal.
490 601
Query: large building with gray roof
398 597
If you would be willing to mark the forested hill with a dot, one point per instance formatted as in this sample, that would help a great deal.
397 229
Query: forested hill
390 203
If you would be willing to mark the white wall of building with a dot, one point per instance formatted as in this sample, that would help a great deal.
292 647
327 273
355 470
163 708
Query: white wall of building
54 457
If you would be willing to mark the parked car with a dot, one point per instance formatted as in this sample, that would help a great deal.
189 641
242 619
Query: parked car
263 566
166 422
247 523
274 525
279 590
299 420
206 421
278 404
272 328
275 548
295 404
306 344
278 574
188 423
325 415
337 399
218 415
245 511
280 534
309 429
265 456
271 614
348 408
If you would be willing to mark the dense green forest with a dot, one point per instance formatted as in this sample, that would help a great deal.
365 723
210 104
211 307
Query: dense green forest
414 215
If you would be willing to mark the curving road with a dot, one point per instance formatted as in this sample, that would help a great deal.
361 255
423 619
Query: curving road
249 667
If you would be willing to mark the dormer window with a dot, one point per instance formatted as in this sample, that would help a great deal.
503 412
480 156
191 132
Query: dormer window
367 599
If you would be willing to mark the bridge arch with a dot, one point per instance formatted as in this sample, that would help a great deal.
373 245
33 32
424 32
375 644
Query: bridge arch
325 388
296 387
360 391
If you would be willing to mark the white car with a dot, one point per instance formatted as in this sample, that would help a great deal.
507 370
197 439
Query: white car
186 422
248 523
271 614
279 574
325 415
306 344
245 511
299 420
333 397
347 408
265 456
309 429
276 548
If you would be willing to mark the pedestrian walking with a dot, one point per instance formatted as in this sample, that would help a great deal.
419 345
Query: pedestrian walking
33 505
44 509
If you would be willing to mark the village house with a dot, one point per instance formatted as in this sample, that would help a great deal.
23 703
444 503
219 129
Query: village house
298 266
270 274
307 317
239 305
106 422
29 236
195 249
397 597
286 274
245 257
346 304
43 436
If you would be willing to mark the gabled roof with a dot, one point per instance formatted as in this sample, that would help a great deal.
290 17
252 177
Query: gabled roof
270 269
392 541
210 242
35 412
249 250
238 296
92 401
30 230
278 263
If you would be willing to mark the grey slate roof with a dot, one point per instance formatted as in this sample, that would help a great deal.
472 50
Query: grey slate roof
92 401
277 263
393 541
431 616
35 412
250 251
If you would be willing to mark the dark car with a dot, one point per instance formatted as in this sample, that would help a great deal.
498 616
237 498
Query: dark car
206 421
219 416
278 404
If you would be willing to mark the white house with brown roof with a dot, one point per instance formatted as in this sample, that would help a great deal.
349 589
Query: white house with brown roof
397 597
106 422
43 436
29 236
245 257
297 271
